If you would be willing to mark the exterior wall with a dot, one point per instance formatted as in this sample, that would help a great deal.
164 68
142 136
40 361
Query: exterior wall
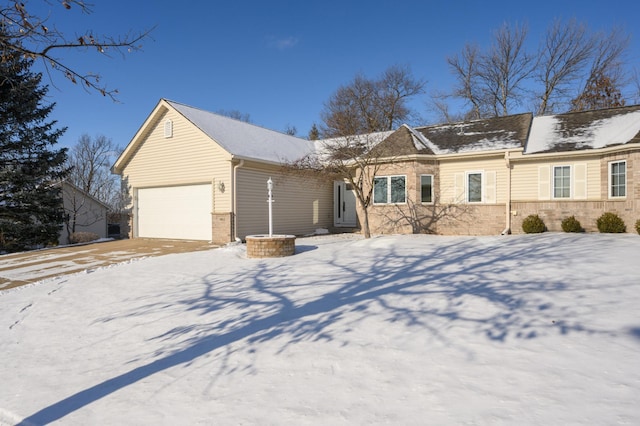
450 168
222 228
187 157
91 216
300 205
587 211
449 217
526 185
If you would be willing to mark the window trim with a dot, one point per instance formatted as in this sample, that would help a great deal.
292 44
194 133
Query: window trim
467 186
431 194
610 180
168 128
388 195
553 182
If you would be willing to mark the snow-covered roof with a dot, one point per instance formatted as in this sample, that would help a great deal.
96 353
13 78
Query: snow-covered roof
498 133
246 140
491 134
584 130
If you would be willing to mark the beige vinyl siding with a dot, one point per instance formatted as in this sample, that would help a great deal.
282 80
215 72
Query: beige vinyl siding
452 179
533 180
188 157
300 206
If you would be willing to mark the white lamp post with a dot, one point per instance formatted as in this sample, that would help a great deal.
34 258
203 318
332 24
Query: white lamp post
270 201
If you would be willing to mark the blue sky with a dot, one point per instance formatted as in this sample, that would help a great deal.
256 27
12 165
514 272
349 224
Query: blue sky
279 61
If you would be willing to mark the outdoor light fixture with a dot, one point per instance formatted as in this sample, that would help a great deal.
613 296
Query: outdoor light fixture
221 186
270 201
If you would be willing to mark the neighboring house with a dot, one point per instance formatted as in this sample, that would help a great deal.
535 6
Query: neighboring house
83 213
485 176
197 175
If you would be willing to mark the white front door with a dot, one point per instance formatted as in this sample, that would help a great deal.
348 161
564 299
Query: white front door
344 201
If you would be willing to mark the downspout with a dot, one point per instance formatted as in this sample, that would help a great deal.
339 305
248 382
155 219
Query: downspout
507 229
234 201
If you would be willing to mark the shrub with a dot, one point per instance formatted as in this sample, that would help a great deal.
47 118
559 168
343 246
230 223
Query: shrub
611 223
83 237
532 224
638 226
571 224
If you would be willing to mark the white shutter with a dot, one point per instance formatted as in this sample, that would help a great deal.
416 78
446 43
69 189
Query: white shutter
489 187
544 183
580 181
458 188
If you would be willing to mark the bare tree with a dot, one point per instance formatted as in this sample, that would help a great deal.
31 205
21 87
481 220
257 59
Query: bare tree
235 114
90 161
35 37
371 105
465 68
355 159
504 69
355 120
90 176
636 83
562 61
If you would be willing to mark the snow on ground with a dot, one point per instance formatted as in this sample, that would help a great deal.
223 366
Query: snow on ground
527 330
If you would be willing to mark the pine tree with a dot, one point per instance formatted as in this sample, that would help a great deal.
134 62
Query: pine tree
314 133
31 169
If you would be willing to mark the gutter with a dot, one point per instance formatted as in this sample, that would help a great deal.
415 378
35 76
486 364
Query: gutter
507 229
234 201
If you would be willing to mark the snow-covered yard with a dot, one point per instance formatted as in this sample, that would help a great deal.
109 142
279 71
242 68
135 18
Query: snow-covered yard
399 330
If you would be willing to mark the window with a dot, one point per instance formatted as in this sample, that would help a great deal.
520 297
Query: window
426 188
618 179
474 187
389 189
562 182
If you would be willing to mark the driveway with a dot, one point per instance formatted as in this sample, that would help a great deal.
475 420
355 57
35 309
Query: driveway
27 267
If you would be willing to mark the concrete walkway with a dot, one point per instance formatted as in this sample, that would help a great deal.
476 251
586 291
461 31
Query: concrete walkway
28 267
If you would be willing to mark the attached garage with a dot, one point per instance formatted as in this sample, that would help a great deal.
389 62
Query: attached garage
177 212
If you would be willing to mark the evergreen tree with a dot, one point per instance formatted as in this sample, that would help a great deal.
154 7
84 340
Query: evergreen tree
31 169
314 133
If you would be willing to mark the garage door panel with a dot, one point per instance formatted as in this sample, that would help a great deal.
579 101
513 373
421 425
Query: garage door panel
180 212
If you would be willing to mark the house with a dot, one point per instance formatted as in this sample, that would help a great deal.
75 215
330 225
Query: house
197 175
83 213
485 176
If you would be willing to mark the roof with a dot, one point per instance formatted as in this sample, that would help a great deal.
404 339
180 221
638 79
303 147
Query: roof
246 140
491 134
584 130
240 139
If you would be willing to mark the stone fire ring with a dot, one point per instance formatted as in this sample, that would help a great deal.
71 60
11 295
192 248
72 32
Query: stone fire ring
259 246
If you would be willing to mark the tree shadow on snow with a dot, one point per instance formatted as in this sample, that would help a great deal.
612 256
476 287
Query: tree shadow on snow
460 281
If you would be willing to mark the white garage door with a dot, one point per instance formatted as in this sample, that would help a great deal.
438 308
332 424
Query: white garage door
180 212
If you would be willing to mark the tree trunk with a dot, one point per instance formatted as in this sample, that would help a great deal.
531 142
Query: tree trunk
365 223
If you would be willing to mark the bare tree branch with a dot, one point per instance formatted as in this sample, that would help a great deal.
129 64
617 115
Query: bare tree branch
32 36
563 57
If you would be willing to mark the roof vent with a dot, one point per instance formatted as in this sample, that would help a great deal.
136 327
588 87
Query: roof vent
168 129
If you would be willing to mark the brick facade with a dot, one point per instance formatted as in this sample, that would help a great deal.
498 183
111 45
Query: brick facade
260 246
222 228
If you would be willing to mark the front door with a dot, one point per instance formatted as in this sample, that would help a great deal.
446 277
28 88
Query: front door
344 205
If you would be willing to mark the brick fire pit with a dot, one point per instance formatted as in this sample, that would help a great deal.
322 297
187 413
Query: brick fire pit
270 246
